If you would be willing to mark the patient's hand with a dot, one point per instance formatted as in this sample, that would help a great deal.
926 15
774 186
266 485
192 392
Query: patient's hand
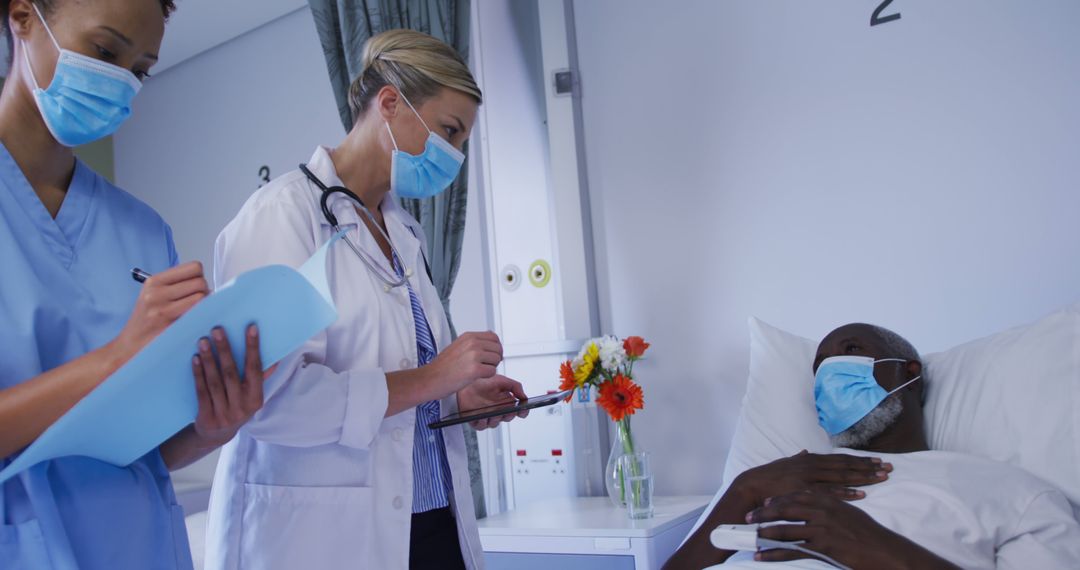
838 530
833 475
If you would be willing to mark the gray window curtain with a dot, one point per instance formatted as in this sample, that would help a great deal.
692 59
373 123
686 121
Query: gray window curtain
344 26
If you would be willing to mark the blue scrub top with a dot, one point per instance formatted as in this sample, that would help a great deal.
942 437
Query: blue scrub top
66 289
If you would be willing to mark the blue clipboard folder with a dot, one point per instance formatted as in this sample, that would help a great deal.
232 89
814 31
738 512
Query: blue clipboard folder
152 396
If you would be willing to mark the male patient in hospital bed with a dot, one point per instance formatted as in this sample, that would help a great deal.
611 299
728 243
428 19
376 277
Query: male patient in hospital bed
883 499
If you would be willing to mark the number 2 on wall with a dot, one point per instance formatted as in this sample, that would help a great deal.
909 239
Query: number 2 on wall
876 18
264 175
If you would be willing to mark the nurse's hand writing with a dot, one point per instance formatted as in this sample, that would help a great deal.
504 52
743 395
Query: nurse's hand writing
838 530
474 355
163 298
494 391
833 474
226 402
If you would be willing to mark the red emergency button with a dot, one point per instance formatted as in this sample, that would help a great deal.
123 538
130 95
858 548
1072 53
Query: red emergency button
521 453
556 452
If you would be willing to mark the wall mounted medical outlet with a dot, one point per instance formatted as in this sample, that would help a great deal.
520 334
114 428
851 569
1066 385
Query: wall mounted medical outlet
540 273
510 277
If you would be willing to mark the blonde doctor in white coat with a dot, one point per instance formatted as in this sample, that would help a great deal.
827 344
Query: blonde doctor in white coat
339 469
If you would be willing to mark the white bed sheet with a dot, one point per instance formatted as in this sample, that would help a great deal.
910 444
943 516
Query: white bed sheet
977 513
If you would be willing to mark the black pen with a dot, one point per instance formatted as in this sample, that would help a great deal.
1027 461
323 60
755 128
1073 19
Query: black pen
139 275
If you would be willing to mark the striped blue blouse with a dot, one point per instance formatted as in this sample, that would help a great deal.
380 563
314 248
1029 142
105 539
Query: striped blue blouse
431 471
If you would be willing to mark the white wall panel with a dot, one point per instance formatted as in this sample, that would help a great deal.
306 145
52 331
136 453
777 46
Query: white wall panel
515 141
786 160
201 132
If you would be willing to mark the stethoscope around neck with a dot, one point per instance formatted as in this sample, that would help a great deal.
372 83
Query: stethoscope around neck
390 280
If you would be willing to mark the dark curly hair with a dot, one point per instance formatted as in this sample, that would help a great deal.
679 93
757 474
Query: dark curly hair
47 6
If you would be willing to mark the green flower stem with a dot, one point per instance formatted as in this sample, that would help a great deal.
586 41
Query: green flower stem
628 449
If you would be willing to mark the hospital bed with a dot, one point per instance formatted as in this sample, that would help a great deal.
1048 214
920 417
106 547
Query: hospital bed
1013 397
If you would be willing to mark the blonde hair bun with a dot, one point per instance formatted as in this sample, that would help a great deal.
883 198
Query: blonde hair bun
417 64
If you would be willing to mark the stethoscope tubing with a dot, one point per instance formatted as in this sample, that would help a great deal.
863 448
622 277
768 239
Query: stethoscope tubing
372 265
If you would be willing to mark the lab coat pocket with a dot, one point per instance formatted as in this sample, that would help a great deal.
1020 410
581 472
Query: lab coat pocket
22 547
305 527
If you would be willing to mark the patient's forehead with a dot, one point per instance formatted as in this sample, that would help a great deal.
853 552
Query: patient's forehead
855 339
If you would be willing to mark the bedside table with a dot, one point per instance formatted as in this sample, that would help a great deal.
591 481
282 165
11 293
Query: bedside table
587 533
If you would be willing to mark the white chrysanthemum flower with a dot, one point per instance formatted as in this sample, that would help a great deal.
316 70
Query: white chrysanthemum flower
612 353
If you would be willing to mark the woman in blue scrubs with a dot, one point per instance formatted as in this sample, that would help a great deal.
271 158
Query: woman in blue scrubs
70 313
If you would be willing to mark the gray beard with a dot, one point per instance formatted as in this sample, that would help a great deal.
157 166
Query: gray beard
874 424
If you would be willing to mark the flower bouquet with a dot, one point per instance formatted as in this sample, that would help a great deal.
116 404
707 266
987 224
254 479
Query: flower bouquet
607 363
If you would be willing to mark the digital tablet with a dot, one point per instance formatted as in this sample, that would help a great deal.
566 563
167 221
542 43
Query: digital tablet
510 407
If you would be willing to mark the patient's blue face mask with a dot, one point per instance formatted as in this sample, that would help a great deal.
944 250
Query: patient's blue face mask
428 173
87 99
845 390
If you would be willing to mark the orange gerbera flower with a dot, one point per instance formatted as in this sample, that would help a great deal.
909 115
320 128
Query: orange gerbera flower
566 372
635 346
620 397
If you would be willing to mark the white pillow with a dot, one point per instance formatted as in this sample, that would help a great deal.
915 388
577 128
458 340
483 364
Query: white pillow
778 417
1013 396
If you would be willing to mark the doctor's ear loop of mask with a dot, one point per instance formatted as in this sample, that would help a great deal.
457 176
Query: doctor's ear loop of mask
745 537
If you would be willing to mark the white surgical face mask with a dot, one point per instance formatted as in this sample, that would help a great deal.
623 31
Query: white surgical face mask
426 174
845 390
87 98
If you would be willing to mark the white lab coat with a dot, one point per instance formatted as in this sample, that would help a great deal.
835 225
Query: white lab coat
319 479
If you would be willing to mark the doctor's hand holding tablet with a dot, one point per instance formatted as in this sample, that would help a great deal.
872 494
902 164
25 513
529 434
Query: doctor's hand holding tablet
467 368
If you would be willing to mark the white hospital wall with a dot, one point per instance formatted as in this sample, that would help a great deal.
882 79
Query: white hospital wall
201 130
787 160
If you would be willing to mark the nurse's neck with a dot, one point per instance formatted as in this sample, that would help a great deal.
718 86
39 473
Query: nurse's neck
363 164
46 164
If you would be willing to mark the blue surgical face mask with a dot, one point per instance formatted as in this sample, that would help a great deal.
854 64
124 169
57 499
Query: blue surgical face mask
87 99
428 173
845 390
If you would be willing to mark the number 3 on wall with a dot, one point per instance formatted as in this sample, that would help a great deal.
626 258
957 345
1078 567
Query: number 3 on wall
876 18
264 176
